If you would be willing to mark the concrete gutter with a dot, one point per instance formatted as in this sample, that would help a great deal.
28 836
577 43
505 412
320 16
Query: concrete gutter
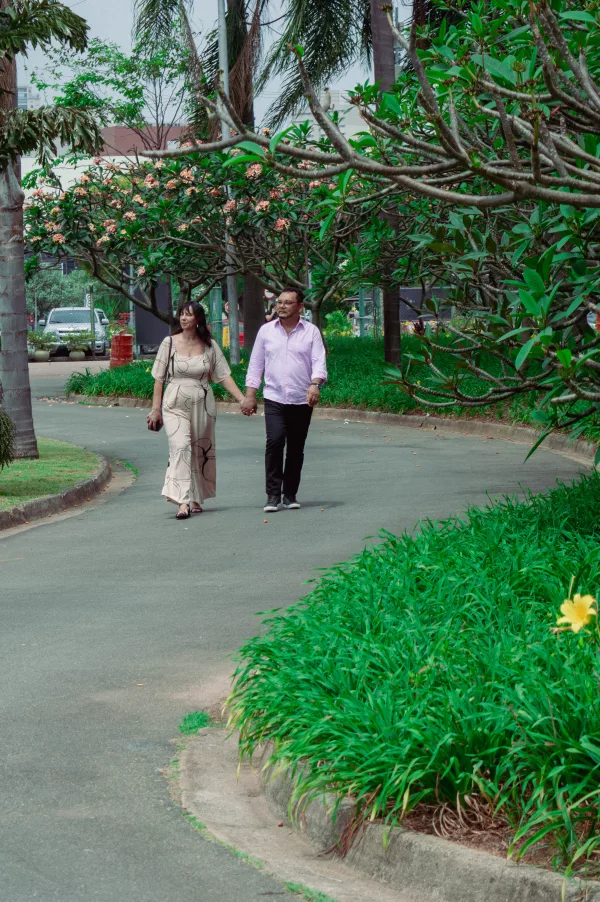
580 451
422 868
56 504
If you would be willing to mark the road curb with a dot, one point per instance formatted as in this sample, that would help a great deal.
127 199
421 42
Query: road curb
581 451
422 867
56 504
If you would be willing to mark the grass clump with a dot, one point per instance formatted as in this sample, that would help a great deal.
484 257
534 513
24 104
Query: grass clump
426 671
60 466
193 722
306 893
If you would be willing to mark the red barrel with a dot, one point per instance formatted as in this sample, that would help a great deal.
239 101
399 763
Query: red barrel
121 349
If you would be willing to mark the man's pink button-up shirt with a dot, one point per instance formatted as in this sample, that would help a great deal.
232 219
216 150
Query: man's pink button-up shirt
289 362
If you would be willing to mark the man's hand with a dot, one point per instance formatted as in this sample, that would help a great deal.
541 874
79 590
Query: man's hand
248 406
313 395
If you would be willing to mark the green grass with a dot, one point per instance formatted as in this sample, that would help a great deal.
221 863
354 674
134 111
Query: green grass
193 722
129 466
356 379
59 467
426 671
310 895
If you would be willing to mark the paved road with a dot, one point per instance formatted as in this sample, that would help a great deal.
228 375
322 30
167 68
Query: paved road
123 595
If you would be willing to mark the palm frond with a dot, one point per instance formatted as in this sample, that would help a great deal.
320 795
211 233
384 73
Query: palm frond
41 131
39 23
335 34
153 19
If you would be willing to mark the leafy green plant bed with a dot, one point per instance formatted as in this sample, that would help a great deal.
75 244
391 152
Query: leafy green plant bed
426 674
357 378
59 467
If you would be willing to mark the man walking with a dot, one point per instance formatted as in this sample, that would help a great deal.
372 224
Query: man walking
291 355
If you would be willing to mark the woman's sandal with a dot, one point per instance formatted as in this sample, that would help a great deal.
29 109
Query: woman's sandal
182 515
196 510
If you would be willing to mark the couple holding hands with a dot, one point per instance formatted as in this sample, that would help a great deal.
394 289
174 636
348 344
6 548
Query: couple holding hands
288 352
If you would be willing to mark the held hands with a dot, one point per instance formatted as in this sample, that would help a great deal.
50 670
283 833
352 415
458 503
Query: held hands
154 420
313 395
248 406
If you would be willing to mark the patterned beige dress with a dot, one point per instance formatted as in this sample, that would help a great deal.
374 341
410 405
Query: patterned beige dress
189 414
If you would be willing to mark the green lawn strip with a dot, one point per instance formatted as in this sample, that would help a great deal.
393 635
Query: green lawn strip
426 670
357 379
59 467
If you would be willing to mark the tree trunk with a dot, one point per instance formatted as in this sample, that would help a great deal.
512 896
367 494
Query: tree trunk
391 320
14 363
14 366
316 317
384 61
384 64
254 309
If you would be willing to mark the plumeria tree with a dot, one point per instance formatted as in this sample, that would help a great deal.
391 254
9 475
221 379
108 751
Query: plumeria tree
133 225
168 219
495 124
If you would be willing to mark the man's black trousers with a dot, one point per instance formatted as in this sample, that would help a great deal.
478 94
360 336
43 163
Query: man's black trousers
286 423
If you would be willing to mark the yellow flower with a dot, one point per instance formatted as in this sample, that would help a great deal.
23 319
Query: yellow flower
577 611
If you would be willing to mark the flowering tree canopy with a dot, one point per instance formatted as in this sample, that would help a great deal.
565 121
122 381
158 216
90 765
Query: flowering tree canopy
158 221
169 219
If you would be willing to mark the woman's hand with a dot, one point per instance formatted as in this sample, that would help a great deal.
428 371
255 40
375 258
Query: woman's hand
248 406
154 419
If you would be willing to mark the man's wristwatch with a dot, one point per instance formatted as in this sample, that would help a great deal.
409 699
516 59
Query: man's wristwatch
316 385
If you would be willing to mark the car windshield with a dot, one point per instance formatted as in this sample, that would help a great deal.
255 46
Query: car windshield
70 316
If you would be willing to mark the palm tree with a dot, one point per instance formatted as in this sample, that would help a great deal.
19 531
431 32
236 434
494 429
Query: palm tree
154 19
335 34
24 24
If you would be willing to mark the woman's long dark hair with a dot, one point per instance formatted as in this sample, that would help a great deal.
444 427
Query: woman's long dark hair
202 330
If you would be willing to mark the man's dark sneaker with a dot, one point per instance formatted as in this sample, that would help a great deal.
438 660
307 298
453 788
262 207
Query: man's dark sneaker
290 502
272 504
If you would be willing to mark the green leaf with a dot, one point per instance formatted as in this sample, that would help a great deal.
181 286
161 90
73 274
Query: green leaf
564 356
541 439
327 222
344 179
524 353
533 280
392 104
495 67
252 147
579 16
237 161
529 302
597 457
279 137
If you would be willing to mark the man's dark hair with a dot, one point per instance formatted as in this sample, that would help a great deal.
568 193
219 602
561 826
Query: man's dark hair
297 291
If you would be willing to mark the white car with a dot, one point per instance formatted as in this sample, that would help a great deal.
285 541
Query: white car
63 321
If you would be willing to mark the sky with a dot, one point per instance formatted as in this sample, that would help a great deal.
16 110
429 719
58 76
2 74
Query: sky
112 20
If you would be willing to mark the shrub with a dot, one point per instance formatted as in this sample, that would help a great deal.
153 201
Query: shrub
356 378
426 671
7 437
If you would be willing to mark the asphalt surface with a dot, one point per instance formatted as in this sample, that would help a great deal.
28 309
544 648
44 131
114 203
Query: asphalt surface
119 621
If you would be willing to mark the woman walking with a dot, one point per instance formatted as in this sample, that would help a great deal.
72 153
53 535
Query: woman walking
186 363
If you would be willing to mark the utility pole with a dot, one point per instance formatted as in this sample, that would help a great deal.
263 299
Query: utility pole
90 295
384 66
232 293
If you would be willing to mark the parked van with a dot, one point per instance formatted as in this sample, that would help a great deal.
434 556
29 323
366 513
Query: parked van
63 321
